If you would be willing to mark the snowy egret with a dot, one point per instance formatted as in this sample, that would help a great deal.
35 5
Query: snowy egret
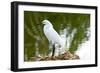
51 34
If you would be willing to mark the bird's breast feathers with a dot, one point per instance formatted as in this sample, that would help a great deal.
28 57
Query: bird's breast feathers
52 35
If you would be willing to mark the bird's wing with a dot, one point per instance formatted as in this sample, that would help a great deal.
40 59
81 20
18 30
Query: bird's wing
52 35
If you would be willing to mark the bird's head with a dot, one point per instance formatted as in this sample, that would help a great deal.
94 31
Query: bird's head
46 22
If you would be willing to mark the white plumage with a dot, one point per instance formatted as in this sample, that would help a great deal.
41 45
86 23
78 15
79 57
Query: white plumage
50 33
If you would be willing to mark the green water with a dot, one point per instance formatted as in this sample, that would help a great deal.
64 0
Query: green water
34 36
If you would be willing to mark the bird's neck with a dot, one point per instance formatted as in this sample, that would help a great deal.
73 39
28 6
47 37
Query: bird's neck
48 26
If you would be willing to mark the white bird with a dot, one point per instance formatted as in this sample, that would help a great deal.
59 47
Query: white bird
51 34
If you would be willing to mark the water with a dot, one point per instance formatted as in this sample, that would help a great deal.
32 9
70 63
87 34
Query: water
72 27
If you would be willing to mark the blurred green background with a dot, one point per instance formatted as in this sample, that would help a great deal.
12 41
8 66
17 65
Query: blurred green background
35 38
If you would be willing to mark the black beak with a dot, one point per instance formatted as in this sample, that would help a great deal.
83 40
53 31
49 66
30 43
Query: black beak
37 24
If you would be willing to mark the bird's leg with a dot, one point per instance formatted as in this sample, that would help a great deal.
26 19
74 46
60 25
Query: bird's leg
53 52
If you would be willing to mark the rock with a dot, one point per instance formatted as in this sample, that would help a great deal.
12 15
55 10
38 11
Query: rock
66 56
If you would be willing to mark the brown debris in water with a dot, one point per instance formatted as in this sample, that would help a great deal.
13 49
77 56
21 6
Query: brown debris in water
66 56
